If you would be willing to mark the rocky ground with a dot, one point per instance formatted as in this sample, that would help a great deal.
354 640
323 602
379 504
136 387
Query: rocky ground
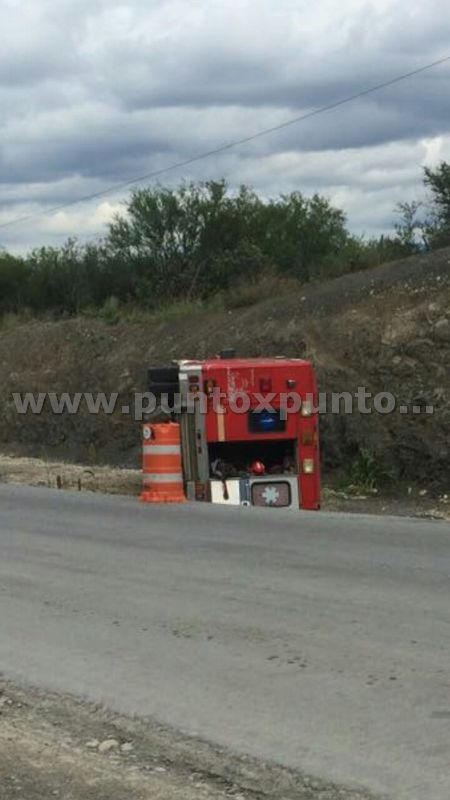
53 746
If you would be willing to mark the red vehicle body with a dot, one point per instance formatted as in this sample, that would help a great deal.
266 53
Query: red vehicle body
249 431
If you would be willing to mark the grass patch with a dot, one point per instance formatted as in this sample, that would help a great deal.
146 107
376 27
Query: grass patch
368 473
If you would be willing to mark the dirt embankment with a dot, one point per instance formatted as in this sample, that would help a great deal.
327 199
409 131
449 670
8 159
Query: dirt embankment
386 329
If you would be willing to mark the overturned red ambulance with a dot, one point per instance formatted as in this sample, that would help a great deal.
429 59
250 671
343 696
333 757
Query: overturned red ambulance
249 429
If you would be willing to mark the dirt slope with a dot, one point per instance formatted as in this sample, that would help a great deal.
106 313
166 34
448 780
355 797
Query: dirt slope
387 329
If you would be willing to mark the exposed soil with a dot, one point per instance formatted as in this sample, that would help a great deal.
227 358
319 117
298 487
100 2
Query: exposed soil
387 329
56 746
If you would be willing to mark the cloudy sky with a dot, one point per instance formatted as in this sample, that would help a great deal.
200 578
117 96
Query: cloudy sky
95 92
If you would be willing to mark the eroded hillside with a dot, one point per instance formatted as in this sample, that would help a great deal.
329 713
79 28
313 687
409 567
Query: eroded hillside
387 329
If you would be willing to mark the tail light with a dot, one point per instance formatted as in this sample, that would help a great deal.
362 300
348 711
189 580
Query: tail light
308 466
307 408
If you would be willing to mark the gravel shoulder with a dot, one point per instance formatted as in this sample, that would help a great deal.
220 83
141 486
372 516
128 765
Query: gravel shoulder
56 746
406 500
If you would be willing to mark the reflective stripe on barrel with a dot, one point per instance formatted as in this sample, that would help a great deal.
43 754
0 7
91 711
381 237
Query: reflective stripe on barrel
168 477
162 449
162 464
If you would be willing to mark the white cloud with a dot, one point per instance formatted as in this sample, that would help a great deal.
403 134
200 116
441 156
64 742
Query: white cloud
69 222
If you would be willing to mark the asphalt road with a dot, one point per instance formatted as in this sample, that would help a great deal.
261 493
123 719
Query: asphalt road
321 641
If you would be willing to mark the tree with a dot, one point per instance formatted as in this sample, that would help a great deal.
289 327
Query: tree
189 242
167 236
438 180
438 225
13 283
196 239
409 228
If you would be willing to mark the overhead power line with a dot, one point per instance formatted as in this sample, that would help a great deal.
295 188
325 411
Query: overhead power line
228 146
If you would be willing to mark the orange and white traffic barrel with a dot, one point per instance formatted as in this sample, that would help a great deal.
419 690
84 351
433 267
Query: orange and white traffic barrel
162 464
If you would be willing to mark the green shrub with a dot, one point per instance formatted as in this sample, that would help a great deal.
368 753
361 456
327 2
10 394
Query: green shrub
368 472
110 311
